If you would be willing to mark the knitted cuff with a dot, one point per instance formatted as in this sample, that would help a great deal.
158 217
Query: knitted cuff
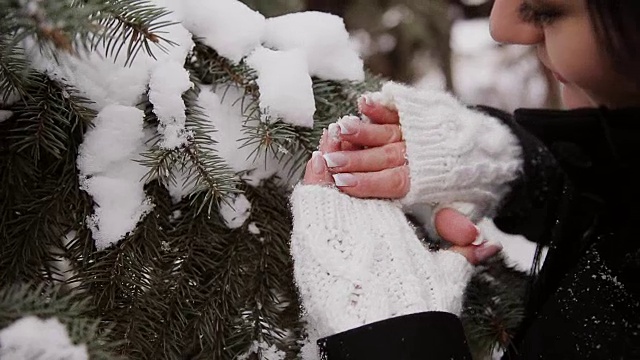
338 225
454 271
332 245
358 261
454 153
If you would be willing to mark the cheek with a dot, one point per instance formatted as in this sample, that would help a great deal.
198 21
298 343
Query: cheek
585 72
579 60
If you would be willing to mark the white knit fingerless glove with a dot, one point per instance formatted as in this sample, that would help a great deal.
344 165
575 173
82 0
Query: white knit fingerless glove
357 261
456 155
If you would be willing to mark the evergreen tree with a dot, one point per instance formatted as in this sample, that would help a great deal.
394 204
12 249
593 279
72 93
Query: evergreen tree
125 217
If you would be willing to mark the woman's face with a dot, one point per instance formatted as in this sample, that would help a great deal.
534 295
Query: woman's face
567 45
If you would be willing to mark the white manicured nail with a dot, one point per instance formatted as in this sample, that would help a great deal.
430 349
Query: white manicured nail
317 164
480 238
349 125
335 159
345 180
334 131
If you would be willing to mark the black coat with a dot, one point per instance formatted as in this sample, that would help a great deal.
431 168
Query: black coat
579 194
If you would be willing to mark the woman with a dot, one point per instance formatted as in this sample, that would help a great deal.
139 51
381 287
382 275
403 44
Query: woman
565 179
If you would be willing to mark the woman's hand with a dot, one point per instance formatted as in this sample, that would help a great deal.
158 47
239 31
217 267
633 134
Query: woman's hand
451 225
374 166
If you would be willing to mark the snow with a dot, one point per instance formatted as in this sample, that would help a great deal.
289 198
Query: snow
285 52
286 89
105 81
324 39
265 351
63 269
33 338
5 115
228 26
169 80
116 136
225 114
110 174
235 211
253 228
181 187
11 99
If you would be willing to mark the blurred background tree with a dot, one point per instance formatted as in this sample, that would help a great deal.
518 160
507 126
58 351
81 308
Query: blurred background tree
424 42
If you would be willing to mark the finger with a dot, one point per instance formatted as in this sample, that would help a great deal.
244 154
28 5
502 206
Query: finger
387 184
455 228
477 254
316 171
348 146
330 141
379 113
364 134
367 160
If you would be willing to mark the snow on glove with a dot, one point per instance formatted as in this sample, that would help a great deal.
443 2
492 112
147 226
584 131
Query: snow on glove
357 261
457 157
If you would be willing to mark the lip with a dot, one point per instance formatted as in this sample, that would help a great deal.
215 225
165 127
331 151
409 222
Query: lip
559 77
542 56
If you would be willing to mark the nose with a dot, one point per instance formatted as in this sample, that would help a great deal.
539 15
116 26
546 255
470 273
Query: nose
508 27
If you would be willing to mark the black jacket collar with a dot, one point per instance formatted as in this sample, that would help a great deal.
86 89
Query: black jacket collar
608 137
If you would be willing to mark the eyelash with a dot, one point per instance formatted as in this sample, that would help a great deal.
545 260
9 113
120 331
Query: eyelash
539 16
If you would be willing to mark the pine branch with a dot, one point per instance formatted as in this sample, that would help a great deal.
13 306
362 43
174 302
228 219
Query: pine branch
40 191
136 24
212 181
23 300
119 279
493 307
206 261
16 77
211 68
292 145
266 136
44 121
73 25
214 69
270 313
33 224
333 100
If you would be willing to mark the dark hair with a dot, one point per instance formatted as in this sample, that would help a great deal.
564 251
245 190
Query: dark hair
617 26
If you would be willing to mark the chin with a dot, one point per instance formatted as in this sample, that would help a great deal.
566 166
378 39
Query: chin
573 98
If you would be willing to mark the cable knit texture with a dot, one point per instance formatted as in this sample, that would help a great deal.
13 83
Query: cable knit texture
357 261
456 155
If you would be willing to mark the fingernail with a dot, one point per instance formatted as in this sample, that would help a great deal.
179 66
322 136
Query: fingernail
366 98
317 163
349 125
479 238
334 131
345 180
335 159
487 250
